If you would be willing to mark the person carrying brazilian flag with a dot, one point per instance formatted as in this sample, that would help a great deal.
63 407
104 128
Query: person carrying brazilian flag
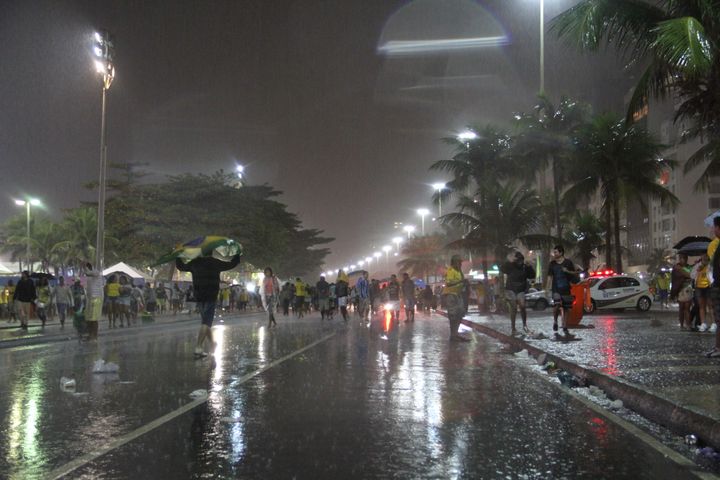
205 258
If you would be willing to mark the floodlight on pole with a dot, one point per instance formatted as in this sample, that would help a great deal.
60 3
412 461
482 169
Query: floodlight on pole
423 212
409 229
386 249
27 203
103 50
368 260
467 136
377 256
397 241
439 187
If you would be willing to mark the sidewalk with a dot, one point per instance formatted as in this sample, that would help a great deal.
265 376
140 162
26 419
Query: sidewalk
12 336
644 360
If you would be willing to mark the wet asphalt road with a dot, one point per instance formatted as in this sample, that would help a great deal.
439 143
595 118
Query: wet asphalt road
358 404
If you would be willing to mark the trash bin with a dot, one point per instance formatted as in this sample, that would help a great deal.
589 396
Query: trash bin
579 292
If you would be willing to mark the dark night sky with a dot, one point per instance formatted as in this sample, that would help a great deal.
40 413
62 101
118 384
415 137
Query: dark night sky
295 90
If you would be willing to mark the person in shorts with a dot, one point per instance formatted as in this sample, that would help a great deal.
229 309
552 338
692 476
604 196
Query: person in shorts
206 285
407 286
322 288
517 273
561 273
94 291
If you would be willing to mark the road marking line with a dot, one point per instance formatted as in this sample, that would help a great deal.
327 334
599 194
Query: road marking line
130 436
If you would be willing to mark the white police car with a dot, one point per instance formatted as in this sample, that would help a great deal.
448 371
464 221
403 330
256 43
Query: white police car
608 290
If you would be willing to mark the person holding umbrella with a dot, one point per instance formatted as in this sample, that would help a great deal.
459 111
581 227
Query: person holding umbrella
206 285
712 252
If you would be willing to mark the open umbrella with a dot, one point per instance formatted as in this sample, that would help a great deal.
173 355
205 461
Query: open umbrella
709 220
222 248
39 275
694 249
691 239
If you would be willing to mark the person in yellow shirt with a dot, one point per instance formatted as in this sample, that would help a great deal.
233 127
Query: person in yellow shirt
4 302
299 297
113 293
453 297
702 289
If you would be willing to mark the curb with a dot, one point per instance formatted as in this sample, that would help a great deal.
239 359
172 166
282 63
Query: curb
680 420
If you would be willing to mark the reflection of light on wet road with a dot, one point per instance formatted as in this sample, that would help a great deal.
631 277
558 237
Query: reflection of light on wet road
261 346
609 349
25 415
214 399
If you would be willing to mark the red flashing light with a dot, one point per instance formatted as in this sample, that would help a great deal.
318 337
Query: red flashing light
602 273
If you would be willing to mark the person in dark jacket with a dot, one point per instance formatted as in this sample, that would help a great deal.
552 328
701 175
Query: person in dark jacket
23 297
206 285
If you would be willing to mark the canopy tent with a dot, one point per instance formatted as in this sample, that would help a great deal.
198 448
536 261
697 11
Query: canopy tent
126 269
6 270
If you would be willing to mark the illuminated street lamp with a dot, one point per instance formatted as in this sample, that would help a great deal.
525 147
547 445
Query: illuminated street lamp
26 203
377 256
103 50
423 212
439 187
368 260
386 249
397 241
467 136
240 172
409 229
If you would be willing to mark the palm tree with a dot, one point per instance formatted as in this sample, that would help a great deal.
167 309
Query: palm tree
79 228
511 214
478 164
658 258
622 163
423 256
14 239
586 237
545 139
678 44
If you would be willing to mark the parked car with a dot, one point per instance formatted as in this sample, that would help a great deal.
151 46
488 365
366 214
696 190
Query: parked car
617 292
537 299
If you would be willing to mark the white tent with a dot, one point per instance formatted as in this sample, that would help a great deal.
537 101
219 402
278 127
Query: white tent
123 267
6 270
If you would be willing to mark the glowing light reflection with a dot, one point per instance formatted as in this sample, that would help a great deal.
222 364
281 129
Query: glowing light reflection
410 47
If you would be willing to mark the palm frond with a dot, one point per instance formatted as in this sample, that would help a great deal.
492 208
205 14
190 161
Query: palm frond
683 44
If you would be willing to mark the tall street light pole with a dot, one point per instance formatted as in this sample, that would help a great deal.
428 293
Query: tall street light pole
423 212
26 203
397 241
439 187
409 229
103 50
542 47
386 249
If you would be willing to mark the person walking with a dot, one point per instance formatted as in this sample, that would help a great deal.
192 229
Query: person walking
663 287
561 274
63 300
714 256
206 284
701 276
285 298
42 302
363 293
408 293
681 290
392 296
299 302
342 290
270 295
322 288
112 290
23 297
517 273
94 292
452 298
